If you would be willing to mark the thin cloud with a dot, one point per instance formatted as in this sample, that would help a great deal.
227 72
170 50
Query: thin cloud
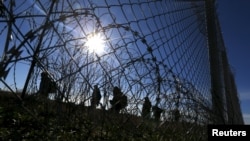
244 95
246 118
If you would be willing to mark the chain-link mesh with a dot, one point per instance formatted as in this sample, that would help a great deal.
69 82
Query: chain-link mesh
147 48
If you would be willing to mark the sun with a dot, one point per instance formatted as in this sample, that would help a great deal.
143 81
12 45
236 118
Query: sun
95 43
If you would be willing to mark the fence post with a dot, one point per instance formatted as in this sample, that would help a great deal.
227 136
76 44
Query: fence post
217 83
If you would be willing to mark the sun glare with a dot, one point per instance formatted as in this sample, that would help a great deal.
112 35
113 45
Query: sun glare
95 43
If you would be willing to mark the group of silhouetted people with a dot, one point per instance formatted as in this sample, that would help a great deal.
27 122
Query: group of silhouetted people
119 101
146 110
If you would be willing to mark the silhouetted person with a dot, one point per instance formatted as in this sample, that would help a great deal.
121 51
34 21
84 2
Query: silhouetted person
119 100
46 85
146 108
157 112
177 115
96 97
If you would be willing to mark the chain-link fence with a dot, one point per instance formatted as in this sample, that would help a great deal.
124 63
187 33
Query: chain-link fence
90 67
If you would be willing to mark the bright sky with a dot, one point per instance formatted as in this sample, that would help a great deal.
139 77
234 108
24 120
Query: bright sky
235 20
